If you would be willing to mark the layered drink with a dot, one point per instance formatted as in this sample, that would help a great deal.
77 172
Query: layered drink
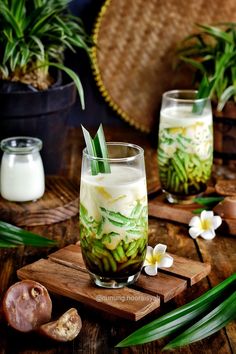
114 221
185 149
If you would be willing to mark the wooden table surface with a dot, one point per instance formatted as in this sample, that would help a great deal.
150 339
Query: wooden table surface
101 332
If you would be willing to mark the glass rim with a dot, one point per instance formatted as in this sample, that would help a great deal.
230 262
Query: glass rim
139 149
167 95
21 145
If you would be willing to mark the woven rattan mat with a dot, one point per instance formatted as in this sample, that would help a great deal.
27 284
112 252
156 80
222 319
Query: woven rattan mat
135 49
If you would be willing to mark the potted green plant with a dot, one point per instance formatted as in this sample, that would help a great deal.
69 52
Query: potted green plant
37 89
211 52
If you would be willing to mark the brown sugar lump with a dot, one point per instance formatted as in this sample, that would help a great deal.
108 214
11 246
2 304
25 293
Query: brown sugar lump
226 208
226 187
66 328
27 305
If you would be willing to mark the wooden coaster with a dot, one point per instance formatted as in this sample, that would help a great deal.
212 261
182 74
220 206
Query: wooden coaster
64 273
59 202
182 213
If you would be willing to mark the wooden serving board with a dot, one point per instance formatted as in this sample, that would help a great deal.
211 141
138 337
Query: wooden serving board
64 273
160 208
59 202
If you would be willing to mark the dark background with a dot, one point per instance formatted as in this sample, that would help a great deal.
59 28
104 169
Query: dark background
96 109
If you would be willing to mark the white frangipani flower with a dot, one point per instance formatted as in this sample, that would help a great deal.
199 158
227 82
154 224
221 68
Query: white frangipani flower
204 225
156 258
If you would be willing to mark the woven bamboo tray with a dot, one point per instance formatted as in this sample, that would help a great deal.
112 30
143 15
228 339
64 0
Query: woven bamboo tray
135 49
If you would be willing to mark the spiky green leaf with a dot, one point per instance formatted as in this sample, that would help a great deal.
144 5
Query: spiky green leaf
212 54
13 236
97 149
179 318
209 324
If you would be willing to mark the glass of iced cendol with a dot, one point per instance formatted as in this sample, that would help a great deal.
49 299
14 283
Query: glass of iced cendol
185 145
113 214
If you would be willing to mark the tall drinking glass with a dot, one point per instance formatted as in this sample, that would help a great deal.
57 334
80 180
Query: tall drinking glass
185 145
114 216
